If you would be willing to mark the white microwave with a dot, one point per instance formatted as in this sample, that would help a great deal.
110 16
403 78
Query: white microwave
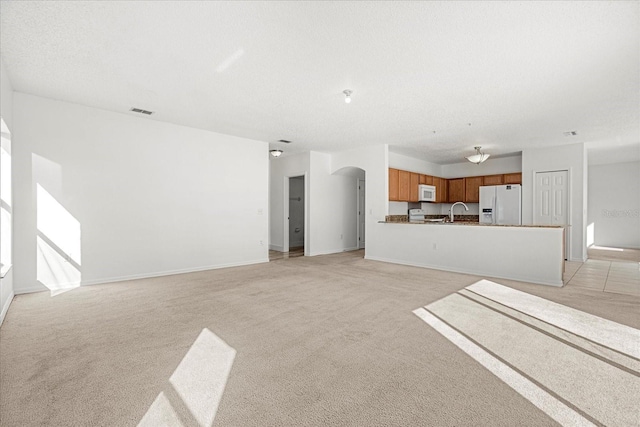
427 193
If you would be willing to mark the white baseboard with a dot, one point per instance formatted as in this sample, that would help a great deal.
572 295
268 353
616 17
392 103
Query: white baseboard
472 273
148 275
278 248
5 308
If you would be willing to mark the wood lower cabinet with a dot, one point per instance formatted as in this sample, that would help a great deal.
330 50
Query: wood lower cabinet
456 190
413 187
404 187
394 185
492 180
512 178
472 189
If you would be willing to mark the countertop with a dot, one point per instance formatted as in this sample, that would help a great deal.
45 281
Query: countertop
471 223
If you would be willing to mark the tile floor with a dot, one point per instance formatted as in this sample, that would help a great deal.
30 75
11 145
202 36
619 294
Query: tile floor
620 277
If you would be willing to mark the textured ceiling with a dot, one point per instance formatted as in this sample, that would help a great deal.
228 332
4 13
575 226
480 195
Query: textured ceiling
431 79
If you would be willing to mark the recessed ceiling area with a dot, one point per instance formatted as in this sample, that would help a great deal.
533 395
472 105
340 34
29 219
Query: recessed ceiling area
521 73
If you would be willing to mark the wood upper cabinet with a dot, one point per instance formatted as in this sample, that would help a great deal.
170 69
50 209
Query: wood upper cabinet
413 187
404 187
441 191
456 190
512 178
394 184
472 189
492 180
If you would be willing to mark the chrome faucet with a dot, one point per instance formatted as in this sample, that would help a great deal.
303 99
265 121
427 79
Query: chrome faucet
454 205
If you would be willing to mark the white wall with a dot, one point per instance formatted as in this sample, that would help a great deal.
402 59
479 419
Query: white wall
491 166
6 112
6 96
411 164
483 251
148 198
614 204
333 201
374 161
567 157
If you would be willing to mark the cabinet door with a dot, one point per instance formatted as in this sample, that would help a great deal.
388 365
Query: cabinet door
394 184
404 188
435 181
428 179
492 180
423 179
472 189
413 187
512 178
456 190
441 189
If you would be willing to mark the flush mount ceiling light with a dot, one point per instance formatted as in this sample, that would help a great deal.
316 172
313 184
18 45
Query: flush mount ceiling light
347 95
478 157
275 153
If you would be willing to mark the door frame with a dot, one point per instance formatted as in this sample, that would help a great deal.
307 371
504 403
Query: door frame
364 213
285 213
568 229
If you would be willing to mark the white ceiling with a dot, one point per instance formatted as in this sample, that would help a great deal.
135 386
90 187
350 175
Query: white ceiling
431 79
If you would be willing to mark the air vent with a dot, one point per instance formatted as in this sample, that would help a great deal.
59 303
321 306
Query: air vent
141 111
285 141
570 133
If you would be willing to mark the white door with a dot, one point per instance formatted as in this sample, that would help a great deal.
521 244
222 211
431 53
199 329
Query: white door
552 200
361 213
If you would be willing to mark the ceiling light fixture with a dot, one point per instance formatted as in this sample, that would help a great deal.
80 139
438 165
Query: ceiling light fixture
478 157
347 94
275 153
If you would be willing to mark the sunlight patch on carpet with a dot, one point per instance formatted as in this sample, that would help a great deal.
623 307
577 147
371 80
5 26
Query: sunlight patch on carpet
196 386
578 368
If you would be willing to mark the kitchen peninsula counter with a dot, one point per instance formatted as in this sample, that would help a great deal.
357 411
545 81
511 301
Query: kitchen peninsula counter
472 223
528 253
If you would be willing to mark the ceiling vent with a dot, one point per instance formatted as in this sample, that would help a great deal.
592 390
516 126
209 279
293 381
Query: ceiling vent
570 133
285 141
141 111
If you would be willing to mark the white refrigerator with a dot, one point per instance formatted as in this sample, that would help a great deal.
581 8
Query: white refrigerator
501 204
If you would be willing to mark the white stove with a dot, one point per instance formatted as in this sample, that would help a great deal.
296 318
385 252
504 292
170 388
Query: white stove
416 215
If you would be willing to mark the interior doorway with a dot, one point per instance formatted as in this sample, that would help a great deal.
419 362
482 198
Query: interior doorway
296 214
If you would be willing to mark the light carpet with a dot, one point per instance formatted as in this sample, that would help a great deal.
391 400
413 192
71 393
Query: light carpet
578 368
311 341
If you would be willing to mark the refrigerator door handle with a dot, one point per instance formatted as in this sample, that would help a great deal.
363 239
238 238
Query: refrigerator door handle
495 210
